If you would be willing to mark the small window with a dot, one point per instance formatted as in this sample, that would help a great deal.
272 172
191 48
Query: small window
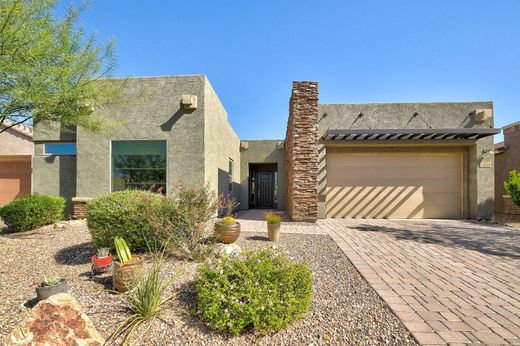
59 148
230 172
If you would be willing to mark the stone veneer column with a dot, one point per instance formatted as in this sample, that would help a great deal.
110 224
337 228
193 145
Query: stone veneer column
301 152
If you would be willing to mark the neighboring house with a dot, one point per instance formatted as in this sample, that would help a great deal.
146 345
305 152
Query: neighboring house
16 149
402 160
507 158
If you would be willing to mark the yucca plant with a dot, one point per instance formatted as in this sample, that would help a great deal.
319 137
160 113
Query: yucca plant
146 300
122 250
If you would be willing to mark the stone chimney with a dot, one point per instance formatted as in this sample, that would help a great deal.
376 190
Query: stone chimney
301 152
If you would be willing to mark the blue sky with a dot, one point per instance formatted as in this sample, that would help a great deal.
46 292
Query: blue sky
359 51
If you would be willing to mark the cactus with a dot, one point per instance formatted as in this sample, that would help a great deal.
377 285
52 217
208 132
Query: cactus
50 281
103 252
229 221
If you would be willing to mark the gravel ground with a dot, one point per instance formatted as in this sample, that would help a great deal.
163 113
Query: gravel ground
345 309
509 220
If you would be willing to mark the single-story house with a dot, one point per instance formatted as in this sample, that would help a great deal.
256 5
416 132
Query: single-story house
387 160
16 149
507 158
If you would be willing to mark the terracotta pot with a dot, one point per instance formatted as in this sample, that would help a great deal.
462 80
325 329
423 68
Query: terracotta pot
44 292
227 233
273 231
126 275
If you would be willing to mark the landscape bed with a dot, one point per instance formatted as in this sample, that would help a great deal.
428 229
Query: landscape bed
344 310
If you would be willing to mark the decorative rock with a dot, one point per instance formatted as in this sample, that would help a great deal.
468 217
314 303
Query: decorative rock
229 249
58 320
59 226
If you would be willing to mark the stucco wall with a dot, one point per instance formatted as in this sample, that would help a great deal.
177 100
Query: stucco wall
480 181
220 144
263 151
52 174
152 111
15 143
505 162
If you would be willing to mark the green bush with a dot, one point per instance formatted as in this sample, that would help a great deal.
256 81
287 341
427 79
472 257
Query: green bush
123 214
149 221
254 291
33 211
512 186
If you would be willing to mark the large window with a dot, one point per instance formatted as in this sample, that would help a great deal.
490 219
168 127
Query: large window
139 165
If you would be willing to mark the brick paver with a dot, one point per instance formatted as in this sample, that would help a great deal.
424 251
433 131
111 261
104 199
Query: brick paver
460 278
453 282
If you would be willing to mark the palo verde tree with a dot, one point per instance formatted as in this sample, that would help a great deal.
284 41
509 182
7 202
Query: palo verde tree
49 69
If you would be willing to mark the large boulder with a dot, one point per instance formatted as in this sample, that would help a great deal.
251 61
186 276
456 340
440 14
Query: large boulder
58 320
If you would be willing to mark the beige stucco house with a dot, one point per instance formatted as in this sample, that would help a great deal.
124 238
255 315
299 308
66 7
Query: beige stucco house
16 149
387 160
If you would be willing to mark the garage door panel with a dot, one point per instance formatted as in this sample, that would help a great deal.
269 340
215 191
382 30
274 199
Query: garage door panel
426 185
15 179
366 173
391 159
378 192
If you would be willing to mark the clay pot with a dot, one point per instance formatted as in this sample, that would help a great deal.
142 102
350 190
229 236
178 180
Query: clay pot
273 231
227 233
44 292
126 275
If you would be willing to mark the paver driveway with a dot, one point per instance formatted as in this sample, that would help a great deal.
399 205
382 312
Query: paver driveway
448 281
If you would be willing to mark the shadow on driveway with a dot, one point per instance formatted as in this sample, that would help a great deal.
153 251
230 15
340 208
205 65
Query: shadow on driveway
488 239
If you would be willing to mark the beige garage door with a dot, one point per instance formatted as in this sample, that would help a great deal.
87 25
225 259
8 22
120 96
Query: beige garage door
15 178
394 185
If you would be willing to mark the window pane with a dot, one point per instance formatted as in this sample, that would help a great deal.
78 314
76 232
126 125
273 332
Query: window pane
60 148
139 165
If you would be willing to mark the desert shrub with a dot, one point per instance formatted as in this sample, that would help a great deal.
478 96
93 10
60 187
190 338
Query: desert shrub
124 214
183 220
30 212
512 186
273 218
255 291
149 221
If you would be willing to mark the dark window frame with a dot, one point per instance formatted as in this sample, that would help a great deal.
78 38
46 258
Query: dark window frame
162 169
231 172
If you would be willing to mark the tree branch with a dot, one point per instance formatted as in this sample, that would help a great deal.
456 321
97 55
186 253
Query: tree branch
12 125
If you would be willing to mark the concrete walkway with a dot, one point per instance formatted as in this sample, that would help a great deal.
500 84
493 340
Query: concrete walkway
455 282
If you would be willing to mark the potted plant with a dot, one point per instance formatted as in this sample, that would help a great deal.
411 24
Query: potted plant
128 269
227 229
274 221
102 261
51 286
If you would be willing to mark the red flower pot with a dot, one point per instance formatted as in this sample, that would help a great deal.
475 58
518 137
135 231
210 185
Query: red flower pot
102 265
101 262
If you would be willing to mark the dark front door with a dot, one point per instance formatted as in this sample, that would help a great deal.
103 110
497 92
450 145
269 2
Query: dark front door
265 191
